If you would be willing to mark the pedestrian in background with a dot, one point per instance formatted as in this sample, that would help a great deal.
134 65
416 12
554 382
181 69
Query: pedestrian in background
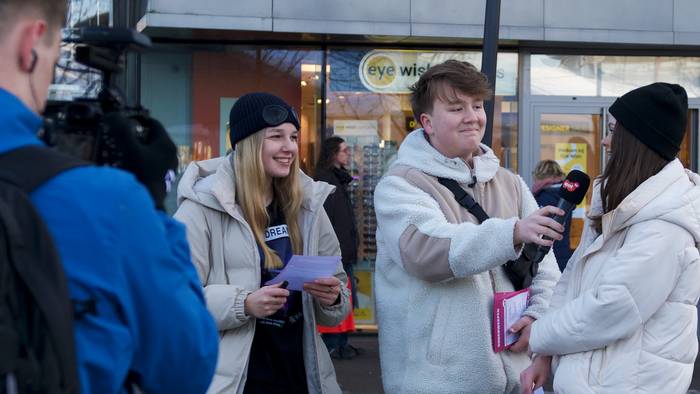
332 165
623 317
548 177
246 214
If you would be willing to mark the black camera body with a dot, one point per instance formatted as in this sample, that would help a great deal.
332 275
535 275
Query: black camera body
76 127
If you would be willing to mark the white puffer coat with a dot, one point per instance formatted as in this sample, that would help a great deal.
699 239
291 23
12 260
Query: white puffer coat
623 317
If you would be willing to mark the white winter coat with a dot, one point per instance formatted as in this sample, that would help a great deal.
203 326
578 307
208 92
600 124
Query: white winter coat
437 271
228 263
623 317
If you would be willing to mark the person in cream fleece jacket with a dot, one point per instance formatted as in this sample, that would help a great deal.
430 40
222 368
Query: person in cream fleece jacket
437 269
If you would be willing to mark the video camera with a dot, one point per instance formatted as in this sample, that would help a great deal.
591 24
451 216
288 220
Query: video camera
76 127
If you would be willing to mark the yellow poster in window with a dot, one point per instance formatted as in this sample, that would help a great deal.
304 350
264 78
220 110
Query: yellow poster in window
571 156
364 313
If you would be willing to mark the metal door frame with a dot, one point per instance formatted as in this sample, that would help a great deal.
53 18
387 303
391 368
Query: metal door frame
529 151
530 142
531 106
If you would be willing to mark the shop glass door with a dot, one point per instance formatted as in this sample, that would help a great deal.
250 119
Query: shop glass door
572 137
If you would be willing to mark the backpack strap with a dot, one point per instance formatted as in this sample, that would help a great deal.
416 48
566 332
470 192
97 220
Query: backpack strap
521 271
464 199
30 166
35 261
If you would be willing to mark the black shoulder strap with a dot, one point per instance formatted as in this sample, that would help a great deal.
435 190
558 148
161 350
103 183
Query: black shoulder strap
30 166
33 256
464 199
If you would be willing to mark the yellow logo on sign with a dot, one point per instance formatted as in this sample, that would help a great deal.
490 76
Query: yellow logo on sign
379 71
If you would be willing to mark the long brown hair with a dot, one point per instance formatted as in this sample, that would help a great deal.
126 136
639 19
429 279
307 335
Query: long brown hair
250 179
329 149
631 163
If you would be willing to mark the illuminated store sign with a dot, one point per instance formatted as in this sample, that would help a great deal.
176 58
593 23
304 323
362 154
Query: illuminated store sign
394 71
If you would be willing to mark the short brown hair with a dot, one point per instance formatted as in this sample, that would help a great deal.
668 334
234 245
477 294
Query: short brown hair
54 11
547 169
442 81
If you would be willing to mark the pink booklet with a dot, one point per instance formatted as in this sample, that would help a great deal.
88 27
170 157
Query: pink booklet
508 307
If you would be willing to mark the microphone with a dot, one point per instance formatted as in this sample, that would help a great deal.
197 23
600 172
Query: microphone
571 193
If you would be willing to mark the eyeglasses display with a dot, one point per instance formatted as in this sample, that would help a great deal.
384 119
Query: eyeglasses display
369 220
375 161
369 160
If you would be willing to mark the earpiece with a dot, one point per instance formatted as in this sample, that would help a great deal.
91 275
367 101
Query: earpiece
35 58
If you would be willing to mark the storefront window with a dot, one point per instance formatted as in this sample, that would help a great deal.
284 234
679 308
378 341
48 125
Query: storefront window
573 140
368 104
372 84
191 92
612 76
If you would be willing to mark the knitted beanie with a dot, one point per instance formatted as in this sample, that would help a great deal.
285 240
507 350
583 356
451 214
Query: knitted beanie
253 112
656 115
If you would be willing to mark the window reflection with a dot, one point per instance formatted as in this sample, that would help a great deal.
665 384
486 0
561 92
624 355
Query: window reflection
192 89
72 79
583 75
372 84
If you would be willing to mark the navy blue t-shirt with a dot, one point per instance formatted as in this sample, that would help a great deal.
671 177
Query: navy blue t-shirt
276 363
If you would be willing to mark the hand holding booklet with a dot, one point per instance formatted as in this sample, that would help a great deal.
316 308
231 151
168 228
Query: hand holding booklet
508 308
304 269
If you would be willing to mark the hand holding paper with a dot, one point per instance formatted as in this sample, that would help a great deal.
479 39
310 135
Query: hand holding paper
265 301
326 290
306 269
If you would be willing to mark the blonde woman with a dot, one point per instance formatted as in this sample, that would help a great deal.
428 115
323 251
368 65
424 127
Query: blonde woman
246 214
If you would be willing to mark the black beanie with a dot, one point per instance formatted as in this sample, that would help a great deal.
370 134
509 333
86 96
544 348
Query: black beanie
248 115
655 114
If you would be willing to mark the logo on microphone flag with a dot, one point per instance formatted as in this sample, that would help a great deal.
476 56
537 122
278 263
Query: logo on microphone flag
570 186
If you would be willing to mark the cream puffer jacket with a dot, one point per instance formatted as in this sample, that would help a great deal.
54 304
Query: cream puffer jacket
623 318
228 263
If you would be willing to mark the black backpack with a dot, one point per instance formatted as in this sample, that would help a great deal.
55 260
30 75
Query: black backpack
37 349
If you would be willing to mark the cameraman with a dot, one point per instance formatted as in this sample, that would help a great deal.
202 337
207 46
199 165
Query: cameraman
149 325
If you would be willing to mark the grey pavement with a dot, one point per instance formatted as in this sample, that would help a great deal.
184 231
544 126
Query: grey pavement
361 375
